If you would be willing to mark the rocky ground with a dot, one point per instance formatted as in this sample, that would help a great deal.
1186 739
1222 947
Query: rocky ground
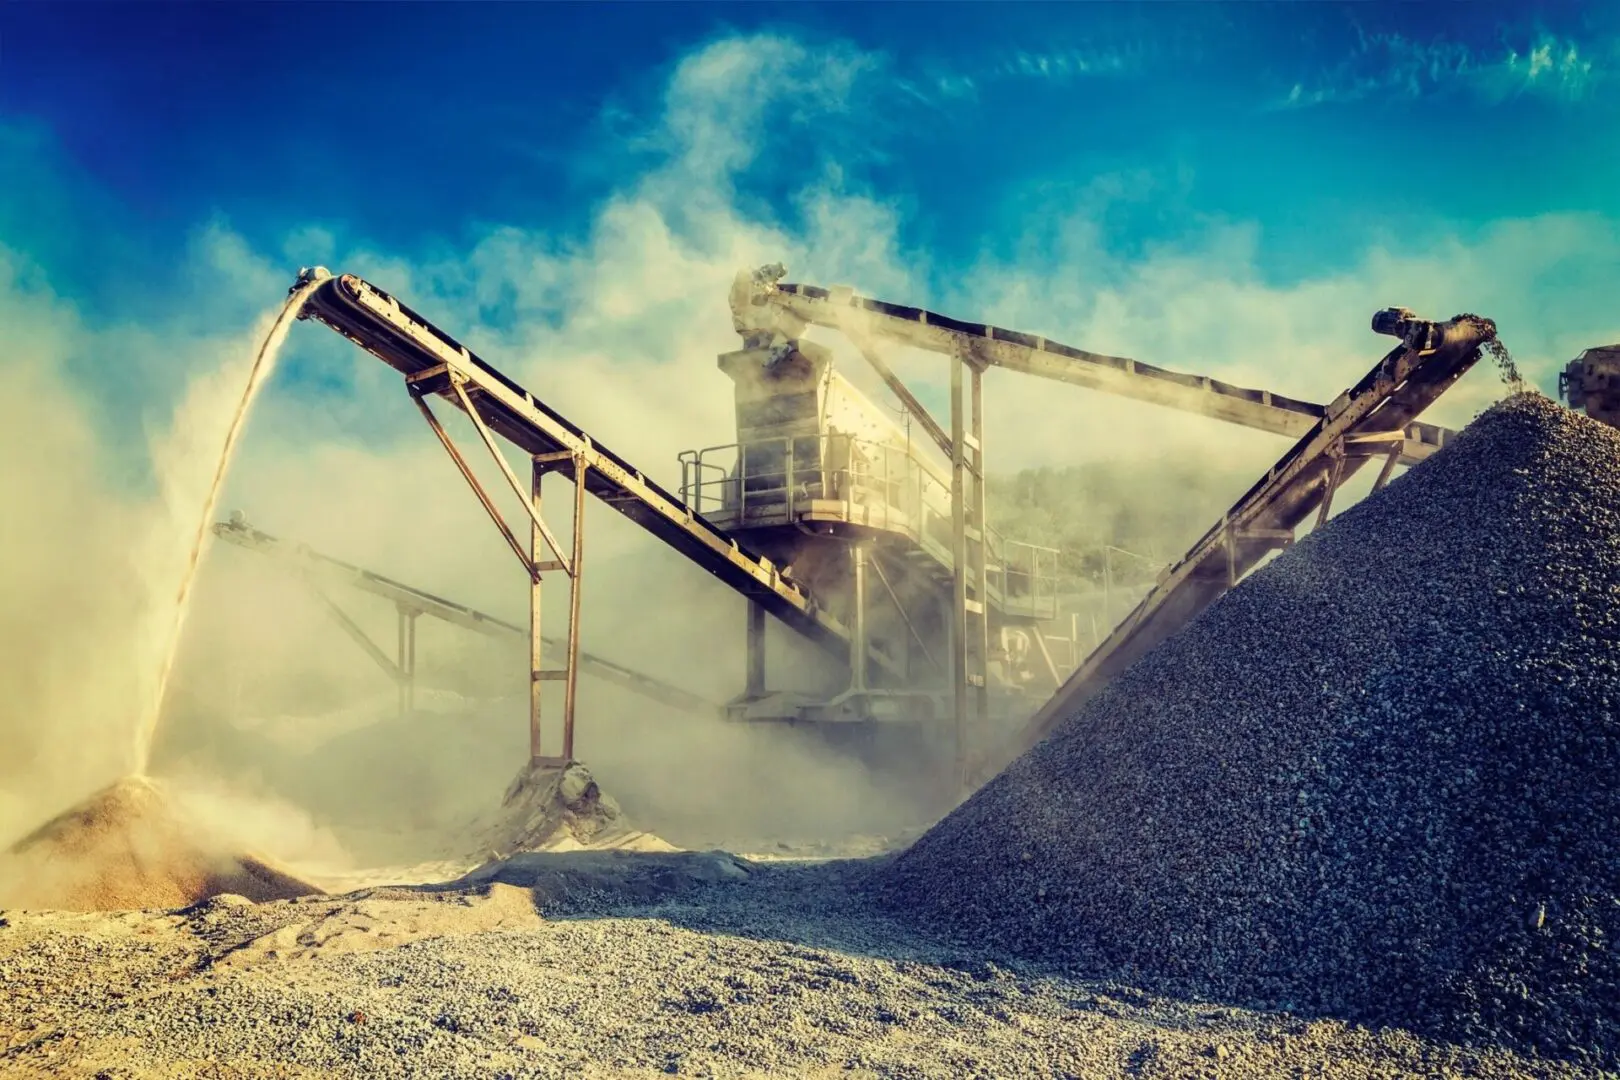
620 964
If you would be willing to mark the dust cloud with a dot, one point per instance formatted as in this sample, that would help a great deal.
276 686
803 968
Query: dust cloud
90 622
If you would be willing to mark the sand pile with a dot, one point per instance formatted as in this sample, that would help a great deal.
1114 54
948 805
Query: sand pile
128 846
1380 779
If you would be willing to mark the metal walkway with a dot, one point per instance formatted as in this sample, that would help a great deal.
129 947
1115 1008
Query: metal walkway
411 601
1372 420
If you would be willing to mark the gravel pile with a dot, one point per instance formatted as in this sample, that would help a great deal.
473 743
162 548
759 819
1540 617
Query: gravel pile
1379 780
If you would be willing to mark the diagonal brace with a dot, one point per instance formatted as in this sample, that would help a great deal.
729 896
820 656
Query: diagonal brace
864 346
904 617
478 489
361 638
506 470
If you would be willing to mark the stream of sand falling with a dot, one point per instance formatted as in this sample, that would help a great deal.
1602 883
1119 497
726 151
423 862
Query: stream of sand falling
264 363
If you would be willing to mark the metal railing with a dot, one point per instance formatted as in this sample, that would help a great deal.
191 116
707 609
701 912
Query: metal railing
880 485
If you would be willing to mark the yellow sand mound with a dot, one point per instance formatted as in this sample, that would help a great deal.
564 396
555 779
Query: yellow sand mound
127 846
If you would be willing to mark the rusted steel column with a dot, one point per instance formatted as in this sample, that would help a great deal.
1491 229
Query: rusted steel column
576 565
981 569
537 543
959 569
755 687
857 636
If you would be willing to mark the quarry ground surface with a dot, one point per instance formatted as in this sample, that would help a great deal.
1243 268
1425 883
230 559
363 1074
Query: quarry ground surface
620 964
1407 819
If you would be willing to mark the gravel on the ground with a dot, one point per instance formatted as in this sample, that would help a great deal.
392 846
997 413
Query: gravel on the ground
624 965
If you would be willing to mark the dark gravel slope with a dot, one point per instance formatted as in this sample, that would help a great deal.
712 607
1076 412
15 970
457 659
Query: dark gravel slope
1378 780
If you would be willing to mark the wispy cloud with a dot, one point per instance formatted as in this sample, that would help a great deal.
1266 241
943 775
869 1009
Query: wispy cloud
1064 65
1391 65
946 87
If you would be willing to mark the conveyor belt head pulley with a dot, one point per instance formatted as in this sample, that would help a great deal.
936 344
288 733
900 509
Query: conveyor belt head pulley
308 275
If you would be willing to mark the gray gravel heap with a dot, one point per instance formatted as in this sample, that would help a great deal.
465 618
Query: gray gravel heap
1378 780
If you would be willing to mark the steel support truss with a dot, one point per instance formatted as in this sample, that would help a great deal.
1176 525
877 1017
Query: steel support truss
530 556
314 568
402 668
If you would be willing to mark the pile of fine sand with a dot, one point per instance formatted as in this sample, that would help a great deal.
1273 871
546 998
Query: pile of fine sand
128 846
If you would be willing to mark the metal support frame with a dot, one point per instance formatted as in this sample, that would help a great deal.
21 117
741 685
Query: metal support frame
755 682
970 630
858 557
1390 444
1046 655
1335 476
406 633
571 567
402 669
534 563
313 567
905 616
935 431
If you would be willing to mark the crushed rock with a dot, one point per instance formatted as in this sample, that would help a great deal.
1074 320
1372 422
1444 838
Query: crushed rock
727 972
1378 780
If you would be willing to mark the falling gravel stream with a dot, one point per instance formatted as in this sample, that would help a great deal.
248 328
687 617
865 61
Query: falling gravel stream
264 362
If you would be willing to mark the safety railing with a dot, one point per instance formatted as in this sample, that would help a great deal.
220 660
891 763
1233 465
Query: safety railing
880 485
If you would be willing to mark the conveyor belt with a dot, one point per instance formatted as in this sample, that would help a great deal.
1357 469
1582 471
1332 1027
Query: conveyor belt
326 568
795 305
1363 424
430 359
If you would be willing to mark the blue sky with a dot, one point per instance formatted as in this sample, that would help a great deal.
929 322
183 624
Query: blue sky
1226 188
414 125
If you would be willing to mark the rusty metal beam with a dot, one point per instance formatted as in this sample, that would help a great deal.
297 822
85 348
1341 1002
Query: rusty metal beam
536 639
787 308
478 488
869 351
576 567
458 385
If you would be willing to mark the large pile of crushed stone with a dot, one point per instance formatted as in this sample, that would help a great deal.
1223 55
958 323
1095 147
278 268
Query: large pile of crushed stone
1380 779
128 846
